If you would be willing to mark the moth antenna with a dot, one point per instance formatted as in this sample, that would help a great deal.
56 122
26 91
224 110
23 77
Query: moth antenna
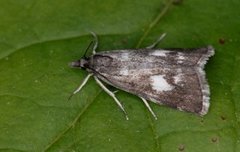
87 49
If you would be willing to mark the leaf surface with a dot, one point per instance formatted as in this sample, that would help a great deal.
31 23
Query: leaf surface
39 38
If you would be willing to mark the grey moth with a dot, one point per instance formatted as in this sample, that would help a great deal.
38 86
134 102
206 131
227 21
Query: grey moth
172 77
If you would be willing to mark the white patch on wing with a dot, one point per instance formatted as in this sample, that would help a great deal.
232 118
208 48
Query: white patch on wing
177 78
180 58
124 71
125 56
160 84
159 53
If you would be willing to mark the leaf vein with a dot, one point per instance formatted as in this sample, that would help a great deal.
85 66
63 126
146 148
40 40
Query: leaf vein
71 124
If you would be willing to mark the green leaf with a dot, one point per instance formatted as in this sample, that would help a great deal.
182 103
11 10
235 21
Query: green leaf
39 38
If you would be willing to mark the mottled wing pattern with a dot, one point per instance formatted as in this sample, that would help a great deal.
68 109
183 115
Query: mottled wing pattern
174 78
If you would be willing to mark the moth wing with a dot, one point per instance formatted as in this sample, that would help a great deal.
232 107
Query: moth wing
184 57
178 83
181 91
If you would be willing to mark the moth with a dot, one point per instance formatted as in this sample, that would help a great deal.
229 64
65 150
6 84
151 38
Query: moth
172 77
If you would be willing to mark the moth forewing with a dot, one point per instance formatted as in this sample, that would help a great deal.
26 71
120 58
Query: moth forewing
173 78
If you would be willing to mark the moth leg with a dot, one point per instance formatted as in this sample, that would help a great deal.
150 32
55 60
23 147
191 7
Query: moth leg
115 91
149 108
156 42
112 95
95 42
81 85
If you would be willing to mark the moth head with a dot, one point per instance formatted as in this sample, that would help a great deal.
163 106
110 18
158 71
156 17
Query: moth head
82 63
